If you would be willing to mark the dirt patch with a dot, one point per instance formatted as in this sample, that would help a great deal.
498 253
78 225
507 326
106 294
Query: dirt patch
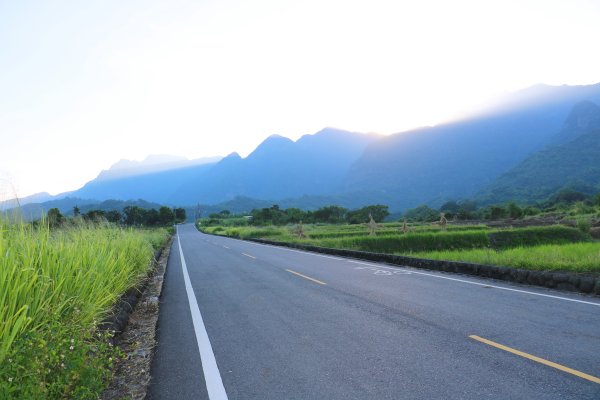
138 339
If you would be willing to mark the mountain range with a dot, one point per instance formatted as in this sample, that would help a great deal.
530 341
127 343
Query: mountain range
571 160
523 148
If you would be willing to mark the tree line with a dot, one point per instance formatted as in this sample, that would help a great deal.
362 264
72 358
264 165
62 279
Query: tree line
563 200
130 216
276 216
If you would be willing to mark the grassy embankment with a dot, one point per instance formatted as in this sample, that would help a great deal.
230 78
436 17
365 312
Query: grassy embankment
542 248
55 287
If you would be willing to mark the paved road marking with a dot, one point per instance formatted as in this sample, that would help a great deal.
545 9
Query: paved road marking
379 271
306 277
537 359
296 251
486 285
248 255
214 383
225 247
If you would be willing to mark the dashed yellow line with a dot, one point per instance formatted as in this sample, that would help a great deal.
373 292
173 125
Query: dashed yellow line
248 255
306 277
537 359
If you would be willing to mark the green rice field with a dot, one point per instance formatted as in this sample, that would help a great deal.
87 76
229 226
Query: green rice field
554 247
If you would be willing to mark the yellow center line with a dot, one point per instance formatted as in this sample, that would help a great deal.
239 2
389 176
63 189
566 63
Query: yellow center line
248 255
537 359
306 277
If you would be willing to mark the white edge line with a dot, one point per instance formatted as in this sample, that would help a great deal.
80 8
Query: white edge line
481 284
432 275
214 383
298 251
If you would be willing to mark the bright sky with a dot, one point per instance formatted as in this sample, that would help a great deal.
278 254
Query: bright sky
84 84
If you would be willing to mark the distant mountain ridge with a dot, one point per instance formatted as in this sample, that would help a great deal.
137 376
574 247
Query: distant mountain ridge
155 178
280 168
455 160
477 156
572 160
277 169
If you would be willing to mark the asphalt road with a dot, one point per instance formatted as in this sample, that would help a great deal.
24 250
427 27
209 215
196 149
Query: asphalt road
284 324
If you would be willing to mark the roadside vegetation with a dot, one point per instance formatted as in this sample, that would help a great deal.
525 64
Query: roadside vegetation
129 216
58 281
561 234
576 257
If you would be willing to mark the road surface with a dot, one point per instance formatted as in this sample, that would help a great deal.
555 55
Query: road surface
240 320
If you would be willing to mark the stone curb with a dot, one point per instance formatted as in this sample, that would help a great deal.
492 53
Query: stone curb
562 280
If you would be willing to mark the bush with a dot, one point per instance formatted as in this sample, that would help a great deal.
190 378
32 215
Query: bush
496 212
233 233
530 211
584 224
514 211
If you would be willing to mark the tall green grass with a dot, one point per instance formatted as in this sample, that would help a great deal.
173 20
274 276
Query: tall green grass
55 287
578 257
410 242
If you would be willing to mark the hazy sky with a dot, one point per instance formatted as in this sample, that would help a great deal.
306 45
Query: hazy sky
86 83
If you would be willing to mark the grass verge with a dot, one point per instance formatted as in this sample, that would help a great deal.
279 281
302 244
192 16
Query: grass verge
575 257
55 287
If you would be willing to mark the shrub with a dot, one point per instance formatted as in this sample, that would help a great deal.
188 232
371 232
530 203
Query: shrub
496 212
514 211
584 224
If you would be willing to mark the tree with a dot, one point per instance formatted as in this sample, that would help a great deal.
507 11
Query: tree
466 209
55 218
76 211
266 216
422 214
496 212
166 216
180 214
377 211
450 207
296 215
94 215
133 215
330 214
151 217
114 216
514 211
